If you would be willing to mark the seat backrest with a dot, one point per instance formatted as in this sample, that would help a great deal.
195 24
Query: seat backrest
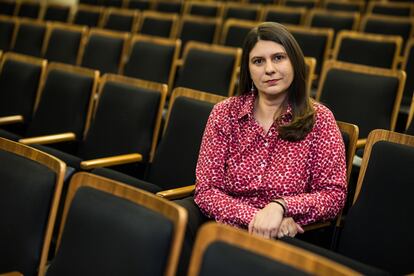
242 11
350 134
30 187
87 15
176 156
152 59
333 19
390 8
7 7
65 102
339 5
141 5
200 8
386 175
308 4
57 12
284 15
64 36
128 114
28 38
408 67
209 68
158 24
368 97
19 84
368 49
120 20
235 31
29 9
168 6
104 50
218 245
115 229
7 26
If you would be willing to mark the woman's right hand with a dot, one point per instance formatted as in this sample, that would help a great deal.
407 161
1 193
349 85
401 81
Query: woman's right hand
288 227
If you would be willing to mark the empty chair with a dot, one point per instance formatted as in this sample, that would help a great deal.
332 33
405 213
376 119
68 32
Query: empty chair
390 8
104 50
7 25
29 9
209 9
87 15
7 7
111 228
141 5
408 67
410 122
67 37
209 68
340 5
29 37
308 4
284 15
30 188
171 6
56 12
175 159
235 31
158 24
111 3
263 2
368 97
124 127
368 49
120 20
152 59
219 245
333 19
242 11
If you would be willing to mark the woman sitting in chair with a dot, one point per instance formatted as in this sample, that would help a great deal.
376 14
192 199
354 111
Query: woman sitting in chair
271 160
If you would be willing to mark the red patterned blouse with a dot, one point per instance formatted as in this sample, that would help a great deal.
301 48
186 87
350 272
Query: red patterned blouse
241 168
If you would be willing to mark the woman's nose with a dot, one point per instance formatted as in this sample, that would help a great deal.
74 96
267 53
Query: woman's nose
270 68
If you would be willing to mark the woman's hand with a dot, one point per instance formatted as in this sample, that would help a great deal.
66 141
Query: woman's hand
288 227
267 221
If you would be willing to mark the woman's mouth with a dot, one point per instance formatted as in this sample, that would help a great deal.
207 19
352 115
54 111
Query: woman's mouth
272 82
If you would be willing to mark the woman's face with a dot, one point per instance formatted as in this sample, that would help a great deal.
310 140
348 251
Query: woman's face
270 68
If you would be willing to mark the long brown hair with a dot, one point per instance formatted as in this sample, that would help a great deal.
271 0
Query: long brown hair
302 111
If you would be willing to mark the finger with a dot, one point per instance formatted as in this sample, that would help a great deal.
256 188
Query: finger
300 229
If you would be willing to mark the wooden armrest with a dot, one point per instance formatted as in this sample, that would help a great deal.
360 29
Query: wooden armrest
49 139
11 119
361 143
14 273
179 62
111 161
177 192
318 225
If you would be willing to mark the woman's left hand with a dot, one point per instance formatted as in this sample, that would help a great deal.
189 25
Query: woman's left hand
288 227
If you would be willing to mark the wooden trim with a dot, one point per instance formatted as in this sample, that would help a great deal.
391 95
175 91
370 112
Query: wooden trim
232 22
217 22
14 273
177 193
173 212
311 65
376 136
411 113
111 161
372 4
173 17
314 2
409 45
134 14
386 18
49 139
258 8
6 120
275 250
56 166
286 10
355 16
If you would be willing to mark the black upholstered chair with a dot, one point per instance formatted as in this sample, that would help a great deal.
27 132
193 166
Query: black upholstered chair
235 31
7 25
56 12
19 85
284 15
209 68
408 67
168 6
7 7
30 188
346 6
141 5
67 37
386 175
368 49
368 97
109 228
152 59
263 2
242 11
124 128
87 15
29 37
391 8
124 20
308 4
158 24
28 9
104 50
175 159
208 9
64 105
225 250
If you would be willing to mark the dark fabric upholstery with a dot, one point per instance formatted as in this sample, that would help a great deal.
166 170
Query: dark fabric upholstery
376 233
156 27
305 4
180 144
171 7
29 10
203 10
361 99
387 27
63 106
207 71
7 8
353 264
150 61
336 6
271 2
284 18
110 3
26 190
88 18
395 11
6 33
89 2
9 135
119 23
236 35
103 53
367 52
63 39
107 235
246 14
196 31
220 259
410 129
331 21
70 160
29 39
57 14
139 4
409 81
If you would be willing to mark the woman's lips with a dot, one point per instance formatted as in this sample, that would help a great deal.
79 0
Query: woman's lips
272 82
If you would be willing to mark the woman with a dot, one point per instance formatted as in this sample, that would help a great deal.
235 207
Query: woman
271 160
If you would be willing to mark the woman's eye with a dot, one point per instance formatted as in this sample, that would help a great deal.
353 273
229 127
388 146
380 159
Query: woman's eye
257 61
279 57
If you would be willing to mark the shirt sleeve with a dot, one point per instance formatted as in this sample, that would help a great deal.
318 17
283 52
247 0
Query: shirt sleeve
328 185
210 194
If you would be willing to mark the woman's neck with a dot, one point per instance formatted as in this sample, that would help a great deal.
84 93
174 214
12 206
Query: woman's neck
268 109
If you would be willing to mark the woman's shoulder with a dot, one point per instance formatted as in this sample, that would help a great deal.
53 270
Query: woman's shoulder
230 106
324 118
